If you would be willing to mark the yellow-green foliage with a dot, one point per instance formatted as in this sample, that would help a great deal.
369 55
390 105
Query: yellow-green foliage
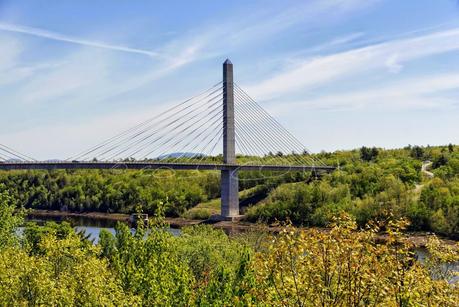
65 274
344 267
205 267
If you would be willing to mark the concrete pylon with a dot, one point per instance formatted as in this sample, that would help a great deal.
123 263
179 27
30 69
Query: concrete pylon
229 178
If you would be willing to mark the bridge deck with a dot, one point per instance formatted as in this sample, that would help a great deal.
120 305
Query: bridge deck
157 165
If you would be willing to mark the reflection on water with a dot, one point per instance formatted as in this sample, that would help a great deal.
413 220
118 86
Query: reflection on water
423 254
90 226
74 220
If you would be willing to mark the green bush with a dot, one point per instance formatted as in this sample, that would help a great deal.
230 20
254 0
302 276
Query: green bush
197 214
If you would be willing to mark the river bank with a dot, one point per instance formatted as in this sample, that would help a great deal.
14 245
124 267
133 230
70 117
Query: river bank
115 217
418 239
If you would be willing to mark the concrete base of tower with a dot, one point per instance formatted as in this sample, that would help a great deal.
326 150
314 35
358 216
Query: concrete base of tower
221 218
230 193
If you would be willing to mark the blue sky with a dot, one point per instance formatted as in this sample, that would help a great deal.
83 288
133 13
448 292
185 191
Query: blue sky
338 74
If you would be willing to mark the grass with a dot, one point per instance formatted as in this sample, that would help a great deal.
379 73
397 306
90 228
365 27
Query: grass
212 207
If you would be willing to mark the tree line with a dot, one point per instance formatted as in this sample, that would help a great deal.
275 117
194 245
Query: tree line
369 184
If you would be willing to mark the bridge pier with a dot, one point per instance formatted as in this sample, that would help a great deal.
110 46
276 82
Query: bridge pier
229 178
230 194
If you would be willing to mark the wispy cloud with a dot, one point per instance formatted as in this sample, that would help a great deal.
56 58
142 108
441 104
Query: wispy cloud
81 75
74 40
88 74
410 93
9 53
313 72
115 92
11 69
66 138
266 24
73 78
342 40
92 77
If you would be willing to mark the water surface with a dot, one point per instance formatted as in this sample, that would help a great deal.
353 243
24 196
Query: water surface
88 225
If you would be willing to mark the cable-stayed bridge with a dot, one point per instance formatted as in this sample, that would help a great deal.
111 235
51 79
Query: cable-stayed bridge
221 128
9 155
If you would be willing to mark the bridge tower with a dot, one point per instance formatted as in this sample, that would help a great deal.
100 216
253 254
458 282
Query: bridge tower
229 177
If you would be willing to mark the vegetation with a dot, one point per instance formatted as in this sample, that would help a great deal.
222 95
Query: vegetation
370 184
345 268
206 209
374 184
111 191
125 191
52 265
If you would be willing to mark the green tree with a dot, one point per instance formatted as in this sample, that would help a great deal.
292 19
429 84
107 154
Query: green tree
148 266
10 219
417 152
368 154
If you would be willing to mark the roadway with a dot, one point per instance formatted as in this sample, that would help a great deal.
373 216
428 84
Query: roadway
158 165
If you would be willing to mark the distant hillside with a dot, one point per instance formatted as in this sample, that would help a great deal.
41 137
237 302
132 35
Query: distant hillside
175 155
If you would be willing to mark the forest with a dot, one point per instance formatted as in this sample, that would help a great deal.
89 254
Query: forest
369 184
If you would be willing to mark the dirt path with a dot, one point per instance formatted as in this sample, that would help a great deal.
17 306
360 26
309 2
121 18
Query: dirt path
424 169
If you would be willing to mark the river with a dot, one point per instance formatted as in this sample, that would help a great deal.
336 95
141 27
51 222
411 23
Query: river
90 226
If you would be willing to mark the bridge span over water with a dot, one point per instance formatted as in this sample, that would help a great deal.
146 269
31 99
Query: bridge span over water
189 136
